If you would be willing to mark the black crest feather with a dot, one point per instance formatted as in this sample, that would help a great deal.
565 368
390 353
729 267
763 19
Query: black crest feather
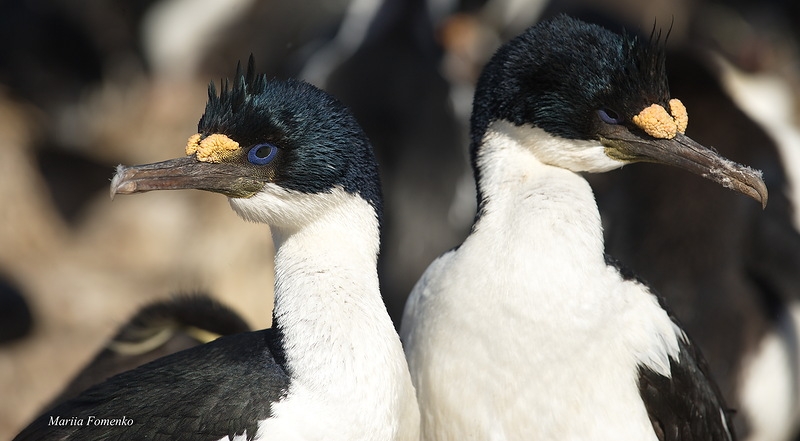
558 73
233 98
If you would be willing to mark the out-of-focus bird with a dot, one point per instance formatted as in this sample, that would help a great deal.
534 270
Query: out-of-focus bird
158 329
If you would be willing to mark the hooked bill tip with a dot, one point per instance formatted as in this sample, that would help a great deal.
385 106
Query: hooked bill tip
752 184
762 195
119 184
756 188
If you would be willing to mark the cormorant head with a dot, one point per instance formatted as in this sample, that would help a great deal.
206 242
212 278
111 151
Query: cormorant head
588 99
280 150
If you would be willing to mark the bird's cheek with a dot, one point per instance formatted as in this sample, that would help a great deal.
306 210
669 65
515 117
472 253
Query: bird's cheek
241 188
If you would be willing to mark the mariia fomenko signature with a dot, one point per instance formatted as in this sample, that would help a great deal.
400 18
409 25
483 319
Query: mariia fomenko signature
91 420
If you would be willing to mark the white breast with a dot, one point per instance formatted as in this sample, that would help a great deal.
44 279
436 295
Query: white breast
524 332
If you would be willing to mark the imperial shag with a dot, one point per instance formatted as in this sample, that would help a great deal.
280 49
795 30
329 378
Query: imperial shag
528 330
331 367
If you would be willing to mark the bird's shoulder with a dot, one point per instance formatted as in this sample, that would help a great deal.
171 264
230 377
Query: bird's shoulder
687 405
206 392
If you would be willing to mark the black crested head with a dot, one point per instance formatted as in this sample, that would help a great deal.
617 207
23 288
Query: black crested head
320 145
581 82
559 73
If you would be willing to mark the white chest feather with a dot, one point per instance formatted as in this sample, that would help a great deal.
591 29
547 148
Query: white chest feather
524 332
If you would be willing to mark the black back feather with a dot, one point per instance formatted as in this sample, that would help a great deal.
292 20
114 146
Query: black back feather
231 386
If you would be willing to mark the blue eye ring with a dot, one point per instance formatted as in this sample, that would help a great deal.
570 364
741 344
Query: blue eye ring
262 154
609 116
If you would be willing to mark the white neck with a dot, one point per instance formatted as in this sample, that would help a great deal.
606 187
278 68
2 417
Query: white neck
533 206
341 348
326 289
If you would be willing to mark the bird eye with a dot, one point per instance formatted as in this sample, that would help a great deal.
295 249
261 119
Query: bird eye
609 116
262 154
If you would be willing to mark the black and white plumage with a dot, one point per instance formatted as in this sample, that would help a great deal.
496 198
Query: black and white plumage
727 269
331 367
553 340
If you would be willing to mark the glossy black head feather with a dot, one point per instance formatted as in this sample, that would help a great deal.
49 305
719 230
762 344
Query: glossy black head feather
559 73
321 146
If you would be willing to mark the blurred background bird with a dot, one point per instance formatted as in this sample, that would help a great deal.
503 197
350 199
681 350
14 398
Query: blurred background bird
87 85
